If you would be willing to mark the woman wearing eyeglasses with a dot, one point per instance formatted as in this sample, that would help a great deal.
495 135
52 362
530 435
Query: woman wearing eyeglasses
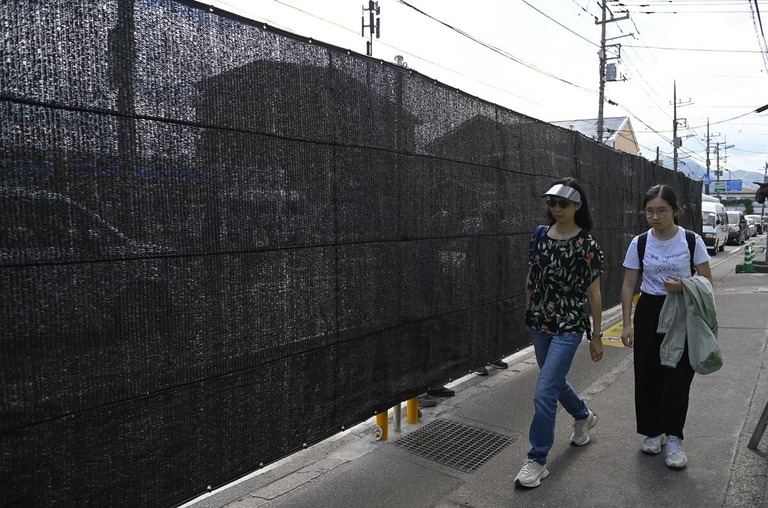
661 392
565 264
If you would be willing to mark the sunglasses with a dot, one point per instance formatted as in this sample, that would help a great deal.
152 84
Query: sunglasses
562 203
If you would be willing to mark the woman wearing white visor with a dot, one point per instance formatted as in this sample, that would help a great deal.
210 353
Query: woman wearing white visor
565 264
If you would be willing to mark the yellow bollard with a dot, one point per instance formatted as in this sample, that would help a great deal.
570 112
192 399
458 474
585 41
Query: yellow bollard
382 420
749 257
412 410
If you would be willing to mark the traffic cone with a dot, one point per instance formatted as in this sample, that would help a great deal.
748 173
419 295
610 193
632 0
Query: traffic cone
749 256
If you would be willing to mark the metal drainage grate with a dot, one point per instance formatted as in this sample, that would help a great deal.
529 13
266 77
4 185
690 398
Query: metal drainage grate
455 445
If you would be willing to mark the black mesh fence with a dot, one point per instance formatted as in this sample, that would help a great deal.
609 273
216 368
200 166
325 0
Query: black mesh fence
220 242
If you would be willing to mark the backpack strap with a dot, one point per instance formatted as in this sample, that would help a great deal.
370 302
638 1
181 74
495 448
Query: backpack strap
540 230
690 239
641 241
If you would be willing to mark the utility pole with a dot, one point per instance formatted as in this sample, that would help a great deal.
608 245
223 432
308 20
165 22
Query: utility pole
706 186
717 170
676 141
373 24
603 59
762 214
725 158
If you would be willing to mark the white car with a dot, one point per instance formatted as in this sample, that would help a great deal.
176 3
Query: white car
751 226
759 223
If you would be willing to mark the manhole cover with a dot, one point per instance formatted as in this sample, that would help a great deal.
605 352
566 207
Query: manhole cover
455 445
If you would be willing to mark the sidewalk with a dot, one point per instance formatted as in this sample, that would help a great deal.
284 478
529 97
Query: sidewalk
352 469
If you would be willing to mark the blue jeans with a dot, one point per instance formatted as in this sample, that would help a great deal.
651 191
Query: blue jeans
554 354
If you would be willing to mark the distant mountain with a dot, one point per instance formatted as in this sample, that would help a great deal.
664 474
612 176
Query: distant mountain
696 171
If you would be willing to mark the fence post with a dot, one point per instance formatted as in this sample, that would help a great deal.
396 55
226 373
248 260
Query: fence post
412 410
382 422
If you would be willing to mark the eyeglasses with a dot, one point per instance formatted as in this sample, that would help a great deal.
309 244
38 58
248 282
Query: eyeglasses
562 203
661 212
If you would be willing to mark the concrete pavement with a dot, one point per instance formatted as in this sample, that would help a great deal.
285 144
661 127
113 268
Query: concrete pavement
352 469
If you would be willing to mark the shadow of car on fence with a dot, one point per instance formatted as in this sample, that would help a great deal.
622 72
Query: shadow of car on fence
42 226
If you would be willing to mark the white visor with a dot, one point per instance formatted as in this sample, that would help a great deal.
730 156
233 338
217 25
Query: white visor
563 191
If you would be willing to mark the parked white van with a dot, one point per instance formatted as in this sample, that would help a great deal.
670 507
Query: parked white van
714 226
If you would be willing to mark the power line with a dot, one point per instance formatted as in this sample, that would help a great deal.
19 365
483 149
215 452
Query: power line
759 32
558 23
495 49
706 50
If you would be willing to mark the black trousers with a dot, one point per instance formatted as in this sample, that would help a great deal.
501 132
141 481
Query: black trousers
661 393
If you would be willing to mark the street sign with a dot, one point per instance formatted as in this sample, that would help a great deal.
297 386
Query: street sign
733 186
719 186
707 180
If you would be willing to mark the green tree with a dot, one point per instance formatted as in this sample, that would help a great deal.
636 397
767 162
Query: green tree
747 203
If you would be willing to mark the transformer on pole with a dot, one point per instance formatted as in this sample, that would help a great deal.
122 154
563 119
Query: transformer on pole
373 26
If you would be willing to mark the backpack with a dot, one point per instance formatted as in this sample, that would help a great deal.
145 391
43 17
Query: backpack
642 239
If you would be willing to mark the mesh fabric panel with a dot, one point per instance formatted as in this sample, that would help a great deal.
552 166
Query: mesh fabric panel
220 242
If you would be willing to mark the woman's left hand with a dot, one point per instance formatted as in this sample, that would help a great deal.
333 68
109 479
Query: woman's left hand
596 348
672 284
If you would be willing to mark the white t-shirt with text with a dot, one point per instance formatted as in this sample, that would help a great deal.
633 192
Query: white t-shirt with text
664 258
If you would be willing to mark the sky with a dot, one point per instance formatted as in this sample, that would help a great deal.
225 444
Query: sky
540 58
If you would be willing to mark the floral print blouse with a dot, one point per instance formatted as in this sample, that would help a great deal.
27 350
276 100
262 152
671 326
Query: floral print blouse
560 275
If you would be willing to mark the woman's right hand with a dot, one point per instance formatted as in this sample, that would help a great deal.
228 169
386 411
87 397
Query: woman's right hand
628 336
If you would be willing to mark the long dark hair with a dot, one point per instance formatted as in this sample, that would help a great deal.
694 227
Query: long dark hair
583 216
666 193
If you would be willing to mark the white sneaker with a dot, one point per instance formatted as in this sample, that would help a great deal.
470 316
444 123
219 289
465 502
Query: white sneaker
580 435
531 474
652 445
675 455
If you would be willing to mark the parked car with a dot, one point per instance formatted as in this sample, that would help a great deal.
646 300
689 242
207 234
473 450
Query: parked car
759 223
751 226
738 231
714 226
